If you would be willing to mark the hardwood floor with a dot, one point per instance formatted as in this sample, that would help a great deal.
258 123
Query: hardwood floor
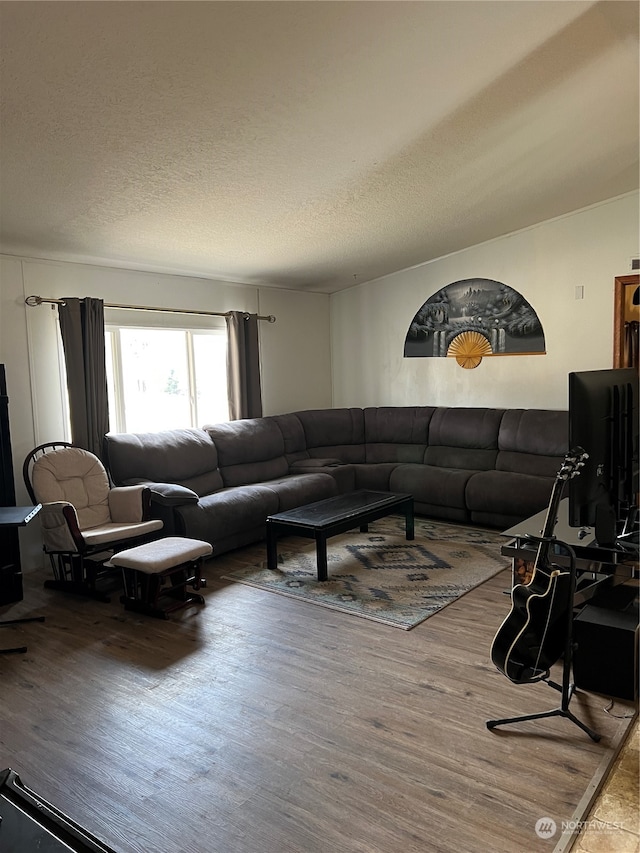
260 724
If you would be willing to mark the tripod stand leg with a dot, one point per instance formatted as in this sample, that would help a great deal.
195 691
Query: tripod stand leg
593 735
491 724
557 712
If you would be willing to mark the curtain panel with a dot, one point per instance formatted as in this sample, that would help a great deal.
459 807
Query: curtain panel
82 330
243 366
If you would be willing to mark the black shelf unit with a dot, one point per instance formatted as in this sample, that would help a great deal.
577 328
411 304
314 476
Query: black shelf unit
10 573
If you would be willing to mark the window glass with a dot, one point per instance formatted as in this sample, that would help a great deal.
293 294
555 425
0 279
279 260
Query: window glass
165 378
155 379
210 362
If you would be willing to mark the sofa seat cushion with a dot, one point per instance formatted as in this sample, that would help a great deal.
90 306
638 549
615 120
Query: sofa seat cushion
298 489
228 512
374 476
492 495
432 485
239 509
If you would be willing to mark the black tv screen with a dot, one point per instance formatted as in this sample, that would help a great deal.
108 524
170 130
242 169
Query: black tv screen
603 419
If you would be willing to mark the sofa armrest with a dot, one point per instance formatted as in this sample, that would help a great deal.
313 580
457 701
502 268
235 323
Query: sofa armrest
171 494
342 472
309 466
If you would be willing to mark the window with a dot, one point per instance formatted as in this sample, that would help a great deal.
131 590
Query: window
165 378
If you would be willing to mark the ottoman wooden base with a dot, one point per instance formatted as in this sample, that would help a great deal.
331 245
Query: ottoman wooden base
156 575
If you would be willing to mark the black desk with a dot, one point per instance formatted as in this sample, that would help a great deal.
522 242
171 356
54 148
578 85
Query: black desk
12 517
18 516
608 566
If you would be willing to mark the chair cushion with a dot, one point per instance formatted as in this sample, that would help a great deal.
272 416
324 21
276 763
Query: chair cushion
162 555
77 476
105 534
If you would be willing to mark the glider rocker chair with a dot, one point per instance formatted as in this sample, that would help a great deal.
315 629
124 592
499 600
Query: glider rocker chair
84 520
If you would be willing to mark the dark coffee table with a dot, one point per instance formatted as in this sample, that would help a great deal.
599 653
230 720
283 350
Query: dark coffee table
332 516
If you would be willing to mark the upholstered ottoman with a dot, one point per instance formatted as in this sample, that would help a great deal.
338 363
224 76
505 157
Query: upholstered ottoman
156 575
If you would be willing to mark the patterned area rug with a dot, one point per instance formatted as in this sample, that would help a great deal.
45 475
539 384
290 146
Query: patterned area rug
379 575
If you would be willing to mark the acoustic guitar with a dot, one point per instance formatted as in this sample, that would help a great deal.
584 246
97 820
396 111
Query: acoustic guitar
533 636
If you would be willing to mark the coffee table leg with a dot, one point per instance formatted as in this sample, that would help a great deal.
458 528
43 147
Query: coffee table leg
409 525
272 546
321 555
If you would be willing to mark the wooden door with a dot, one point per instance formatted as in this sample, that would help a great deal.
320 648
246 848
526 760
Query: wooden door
626 321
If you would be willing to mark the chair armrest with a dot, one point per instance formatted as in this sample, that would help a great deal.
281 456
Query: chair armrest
59 524
127 503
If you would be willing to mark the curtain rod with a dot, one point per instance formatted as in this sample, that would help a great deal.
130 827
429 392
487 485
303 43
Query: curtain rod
33 301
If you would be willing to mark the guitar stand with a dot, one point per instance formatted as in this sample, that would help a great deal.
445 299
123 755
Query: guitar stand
567 688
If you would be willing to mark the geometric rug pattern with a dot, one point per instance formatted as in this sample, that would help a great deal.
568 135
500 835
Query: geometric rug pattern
379 575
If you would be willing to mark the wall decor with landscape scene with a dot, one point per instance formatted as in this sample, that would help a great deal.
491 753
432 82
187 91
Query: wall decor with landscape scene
472 319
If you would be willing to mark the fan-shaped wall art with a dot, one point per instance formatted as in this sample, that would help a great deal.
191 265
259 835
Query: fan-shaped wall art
472 319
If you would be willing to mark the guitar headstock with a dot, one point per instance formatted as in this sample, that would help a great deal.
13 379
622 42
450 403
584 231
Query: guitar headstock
573 462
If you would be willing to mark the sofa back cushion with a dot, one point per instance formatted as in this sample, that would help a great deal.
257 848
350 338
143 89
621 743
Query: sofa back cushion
187 457
295 442
533 441
334 433
396 433
249 450
464 438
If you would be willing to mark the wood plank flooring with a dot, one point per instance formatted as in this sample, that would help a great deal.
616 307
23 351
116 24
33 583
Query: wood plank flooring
261 724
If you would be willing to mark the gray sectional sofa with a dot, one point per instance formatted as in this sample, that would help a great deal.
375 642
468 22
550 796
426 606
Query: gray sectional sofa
492 467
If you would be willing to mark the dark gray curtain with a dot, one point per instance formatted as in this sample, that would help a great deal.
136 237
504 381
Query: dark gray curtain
82 329
243 366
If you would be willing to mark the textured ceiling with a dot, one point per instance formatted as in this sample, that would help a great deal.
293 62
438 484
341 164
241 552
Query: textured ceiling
308 145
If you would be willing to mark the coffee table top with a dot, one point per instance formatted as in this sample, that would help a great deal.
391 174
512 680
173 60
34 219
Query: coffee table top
338 508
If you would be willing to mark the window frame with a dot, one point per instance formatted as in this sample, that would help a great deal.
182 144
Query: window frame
115 320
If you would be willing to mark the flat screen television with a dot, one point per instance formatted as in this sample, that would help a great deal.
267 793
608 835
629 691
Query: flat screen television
603 419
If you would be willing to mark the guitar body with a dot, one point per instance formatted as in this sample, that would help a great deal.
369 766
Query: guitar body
534 634
532 637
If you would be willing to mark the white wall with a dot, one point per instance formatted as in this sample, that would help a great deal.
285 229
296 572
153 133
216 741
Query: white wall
544 263
295 351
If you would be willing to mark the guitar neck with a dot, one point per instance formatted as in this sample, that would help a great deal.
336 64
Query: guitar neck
571 466
542 556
